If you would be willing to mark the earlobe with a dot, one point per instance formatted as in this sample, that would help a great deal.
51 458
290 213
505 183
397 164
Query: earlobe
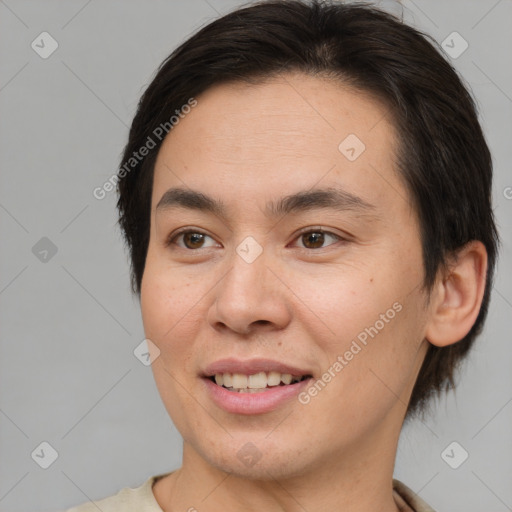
457 295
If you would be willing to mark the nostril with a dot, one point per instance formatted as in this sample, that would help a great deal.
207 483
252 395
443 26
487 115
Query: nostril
261 322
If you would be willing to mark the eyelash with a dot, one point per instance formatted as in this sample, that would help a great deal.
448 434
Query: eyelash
171 239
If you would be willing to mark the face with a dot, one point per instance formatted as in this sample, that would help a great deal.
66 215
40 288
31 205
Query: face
326 285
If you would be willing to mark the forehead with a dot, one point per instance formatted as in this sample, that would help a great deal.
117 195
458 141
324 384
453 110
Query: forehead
286 133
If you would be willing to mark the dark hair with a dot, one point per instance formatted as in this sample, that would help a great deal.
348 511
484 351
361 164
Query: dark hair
442 157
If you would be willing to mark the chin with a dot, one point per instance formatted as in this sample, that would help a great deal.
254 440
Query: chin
259 460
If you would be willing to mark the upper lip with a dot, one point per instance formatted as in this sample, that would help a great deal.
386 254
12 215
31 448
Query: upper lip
251 366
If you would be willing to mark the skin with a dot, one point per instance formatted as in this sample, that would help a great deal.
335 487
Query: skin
297 303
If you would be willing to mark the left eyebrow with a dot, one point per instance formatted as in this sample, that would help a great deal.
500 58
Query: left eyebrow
325 198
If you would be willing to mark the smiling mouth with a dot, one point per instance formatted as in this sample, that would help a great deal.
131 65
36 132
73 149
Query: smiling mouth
255 383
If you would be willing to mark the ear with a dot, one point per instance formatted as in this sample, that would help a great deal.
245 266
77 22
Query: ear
457 295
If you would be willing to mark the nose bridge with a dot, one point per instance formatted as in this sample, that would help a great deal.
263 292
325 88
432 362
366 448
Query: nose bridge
246 294
248 269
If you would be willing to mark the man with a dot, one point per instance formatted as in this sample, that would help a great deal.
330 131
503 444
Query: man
305 195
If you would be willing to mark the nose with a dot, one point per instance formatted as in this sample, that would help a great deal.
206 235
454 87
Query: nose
250 296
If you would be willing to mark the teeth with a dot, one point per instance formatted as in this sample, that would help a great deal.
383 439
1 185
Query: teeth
227 378
252 383
273 379
239 381
286 378
257 381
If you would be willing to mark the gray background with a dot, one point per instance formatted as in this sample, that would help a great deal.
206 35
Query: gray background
69 326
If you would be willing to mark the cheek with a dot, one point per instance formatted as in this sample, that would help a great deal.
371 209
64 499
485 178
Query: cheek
155 302
170 324
165 298
338 300
374 322
369 367
172 307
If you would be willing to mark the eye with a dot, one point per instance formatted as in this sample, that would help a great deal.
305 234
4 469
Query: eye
192 239
316 238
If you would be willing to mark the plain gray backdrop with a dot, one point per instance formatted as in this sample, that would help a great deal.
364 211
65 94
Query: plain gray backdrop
68 323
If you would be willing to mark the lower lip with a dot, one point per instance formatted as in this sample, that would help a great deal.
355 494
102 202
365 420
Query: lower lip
253 403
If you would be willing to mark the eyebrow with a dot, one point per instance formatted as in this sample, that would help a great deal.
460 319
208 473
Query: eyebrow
325 198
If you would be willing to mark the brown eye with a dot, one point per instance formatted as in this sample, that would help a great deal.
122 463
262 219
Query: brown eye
191 239
315 239
194 239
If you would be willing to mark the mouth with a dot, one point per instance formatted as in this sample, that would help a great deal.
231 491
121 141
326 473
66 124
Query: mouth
238 396
253 386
